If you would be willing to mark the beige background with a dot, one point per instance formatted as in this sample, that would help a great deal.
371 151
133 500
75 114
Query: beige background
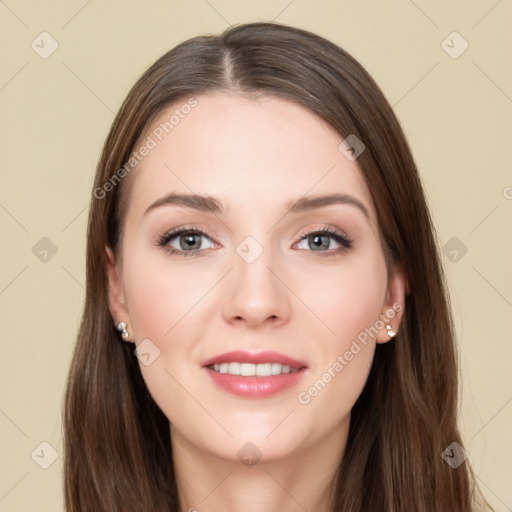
55 114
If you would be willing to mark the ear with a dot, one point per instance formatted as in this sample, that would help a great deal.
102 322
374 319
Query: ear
393 307
116 301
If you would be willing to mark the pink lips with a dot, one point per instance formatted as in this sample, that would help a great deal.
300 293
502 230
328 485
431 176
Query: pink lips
254 386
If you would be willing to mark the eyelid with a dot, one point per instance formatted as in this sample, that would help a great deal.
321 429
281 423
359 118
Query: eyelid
187 229
324 229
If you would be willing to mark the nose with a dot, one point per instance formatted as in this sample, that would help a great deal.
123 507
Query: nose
257 294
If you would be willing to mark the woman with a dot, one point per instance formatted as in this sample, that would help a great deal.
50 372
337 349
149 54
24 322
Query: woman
266 326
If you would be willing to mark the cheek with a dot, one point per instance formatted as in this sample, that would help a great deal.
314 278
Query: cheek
347 298
349 305
171 306
151 306
164 306
160 299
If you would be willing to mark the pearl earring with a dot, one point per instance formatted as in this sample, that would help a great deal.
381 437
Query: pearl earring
391 333
122 328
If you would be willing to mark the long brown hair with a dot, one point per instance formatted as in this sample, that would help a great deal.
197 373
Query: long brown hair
117 444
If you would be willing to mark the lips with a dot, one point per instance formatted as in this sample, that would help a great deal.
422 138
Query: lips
249 375
240 356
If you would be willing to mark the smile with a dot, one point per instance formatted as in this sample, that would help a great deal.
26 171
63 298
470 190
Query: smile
254 375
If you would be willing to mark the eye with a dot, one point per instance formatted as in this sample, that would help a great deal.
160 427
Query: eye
188 241
185 241
322 241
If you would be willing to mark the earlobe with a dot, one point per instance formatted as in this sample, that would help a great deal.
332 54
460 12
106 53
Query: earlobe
393 307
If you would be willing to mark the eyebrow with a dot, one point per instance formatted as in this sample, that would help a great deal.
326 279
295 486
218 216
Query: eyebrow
303 204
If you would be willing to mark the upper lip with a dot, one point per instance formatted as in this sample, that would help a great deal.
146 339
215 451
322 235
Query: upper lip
240 356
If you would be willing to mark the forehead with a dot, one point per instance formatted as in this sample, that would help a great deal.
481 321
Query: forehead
248 152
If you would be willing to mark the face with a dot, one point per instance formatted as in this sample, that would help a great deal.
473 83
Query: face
276 272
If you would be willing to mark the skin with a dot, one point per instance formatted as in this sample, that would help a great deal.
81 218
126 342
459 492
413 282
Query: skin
254 156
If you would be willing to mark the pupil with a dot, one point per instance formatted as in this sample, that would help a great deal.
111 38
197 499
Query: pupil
189 240
317 242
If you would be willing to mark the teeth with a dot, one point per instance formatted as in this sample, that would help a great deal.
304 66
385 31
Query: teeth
252 370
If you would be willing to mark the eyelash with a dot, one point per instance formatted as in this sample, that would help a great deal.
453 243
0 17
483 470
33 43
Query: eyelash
344 241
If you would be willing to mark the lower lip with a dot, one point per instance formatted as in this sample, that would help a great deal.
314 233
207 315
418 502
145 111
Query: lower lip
255 387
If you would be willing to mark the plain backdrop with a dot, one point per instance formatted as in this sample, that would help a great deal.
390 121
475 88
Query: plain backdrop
451 92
